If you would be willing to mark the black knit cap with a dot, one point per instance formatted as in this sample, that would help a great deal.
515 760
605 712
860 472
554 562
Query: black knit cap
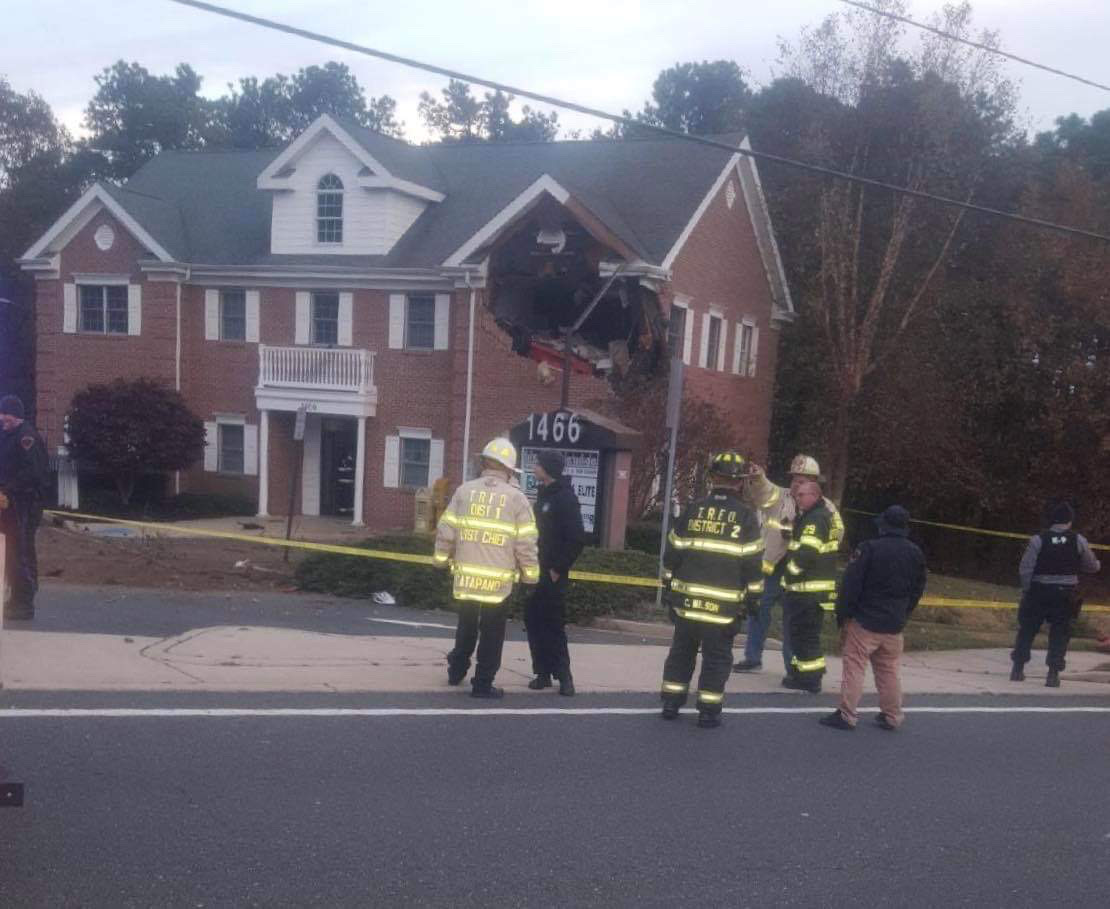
12 406
1060 513
553 462
894 520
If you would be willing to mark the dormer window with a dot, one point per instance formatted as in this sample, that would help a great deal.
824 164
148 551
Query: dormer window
329 209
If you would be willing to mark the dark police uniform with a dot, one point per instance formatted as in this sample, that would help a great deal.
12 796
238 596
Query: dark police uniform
713 570
809 585
24 474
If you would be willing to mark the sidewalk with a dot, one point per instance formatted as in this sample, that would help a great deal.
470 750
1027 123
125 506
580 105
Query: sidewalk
245 658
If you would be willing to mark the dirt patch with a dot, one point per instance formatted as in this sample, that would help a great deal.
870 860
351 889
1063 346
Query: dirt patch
176 563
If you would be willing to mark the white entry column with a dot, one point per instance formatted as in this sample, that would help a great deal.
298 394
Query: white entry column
360 471
264 463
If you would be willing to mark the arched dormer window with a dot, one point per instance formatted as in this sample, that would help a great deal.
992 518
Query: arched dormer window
329 209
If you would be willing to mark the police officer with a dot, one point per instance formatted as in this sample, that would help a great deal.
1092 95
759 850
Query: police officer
809 585
23 482
1049 573
712 569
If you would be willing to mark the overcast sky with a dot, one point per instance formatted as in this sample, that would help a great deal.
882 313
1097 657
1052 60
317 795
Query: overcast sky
604 53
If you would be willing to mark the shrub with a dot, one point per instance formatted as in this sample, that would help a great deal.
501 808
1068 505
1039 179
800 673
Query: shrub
645 536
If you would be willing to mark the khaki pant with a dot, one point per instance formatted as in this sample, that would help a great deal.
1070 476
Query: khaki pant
858 647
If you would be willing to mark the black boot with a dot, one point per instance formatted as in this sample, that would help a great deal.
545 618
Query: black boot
707 720
670 710
455 676
1017 674
485 690
541 681
566 684
747 666
1053 679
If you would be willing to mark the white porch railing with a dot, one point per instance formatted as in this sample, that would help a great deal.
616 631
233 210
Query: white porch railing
328 368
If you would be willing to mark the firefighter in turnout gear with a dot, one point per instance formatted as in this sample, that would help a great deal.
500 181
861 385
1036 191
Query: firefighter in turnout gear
487 536
712 574
809 585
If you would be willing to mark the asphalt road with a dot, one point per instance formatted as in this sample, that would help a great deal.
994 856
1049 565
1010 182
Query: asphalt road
957 809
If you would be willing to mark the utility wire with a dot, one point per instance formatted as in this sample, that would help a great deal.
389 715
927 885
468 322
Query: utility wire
994 50
628 121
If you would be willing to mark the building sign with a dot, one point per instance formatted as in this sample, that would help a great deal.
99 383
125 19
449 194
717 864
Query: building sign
582 470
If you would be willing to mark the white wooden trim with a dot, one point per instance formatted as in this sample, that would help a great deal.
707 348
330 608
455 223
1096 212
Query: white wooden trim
303 314
413 432
346 306
69 308
263 463
134 309
754 355
722 345
703 351
211 446
737 338
392 473
688 336
756 201
211 315
254 301
435 461
360 473
97 193
406 187
310 476
545 183
250 449
699 212
268 178
396 321
443 320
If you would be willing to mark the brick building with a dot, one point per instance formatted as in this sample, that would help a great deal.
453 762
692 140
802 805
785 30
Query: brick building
407 297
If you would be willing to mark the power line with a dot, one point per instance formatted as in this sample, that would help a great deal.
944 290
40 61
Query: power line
975 44
628 121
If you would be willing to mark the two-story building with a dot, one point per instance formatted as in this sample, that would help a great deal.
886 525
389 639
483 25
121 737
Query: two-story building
409 300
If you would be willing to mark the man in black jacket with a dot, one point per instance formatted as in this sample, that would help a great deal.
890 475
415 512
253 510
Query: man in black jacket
24 474
559 519
879 590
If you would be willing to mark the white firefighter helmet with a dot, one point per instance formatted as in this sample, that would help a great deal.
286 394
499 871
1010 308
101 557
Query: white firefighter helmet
502 451
805 466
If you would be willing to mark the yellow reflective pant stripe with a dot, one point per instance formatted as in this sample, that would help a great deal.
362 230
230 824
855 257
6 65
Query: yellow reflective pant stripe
674 687
711 697
828 606
755 587
696 615
531 574
808 665
698 590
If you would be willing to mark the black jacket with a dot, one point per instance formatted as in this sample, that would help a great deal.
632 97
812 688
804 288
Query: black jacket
559 519
24 465
713 562
810 567
882 584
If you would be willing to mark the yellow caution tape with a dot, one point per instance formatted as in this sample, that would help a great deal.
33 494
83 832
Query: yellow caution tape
980 530
627 579
948 603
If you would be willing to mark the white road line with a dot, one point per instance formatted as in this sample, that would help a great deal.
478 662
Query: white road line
412 624
16 713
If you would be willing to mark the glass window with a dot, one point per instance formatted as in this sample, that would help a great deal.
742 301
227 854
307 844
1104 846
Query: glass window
713 354
325 319
233 315
329 209
746 332
420 323
104 308
231 448
676 331
415 457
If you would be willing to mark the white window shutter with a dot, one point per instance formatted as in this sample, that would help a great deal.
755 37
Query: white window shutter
211 315
754 351
688 336
304 304
134 309
435 461
254 300
69 308
346 307
211 446
737 340
443 310
392 462
396 321
703 352
722 346
250 450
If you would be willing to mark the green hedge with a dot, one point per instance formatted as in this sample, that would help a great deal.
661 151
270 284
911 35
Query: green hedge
428 587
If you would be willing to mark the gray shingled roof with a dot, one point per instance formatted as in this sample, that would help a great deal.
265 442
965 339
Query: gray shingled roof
205 208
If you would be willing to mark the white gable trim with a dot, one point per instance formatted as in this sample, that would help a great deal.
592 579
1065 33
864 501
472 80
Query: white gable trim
268 179
402 186
668 262
94 194
543 184
757 209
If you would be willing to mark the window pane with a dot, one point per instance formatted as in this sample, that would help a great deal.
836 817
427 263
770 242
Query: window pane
329 210
92 308
325 319
233 315
714 343
420 328
231 448
676 331
117 309
415 456
745 349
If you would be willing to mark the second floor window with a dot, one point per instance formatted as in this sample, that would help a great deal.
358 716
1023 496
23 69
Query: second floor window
104 308
713 353
233 315
325 319
676 331
420 323
329 210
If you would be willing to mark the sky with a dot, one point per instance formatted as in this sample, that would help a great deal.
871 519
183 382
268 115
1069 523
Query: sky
604 53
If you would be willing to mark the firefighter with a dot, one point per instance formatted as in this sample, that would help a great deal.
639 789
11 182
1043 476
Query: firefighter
776 508
487 536
24 474
809 585
712 573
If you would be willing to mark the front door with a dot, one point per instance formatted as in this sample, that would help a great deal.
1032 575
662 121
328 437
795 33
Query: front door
337 466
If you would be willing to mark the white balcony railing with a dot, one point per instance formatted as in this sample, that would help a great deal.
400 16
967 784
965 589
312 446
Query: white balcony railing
326 368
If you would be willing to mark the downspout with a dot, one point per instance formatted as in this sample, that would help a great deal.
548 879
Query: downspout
177 369
469 380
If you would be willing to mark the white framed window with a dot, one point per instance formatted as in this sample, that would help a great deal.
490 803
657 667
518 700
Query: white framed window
713 346
329 209
233 315
325 319
103 309
746 348
420 322
416 456
413 459
676 330
232 447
